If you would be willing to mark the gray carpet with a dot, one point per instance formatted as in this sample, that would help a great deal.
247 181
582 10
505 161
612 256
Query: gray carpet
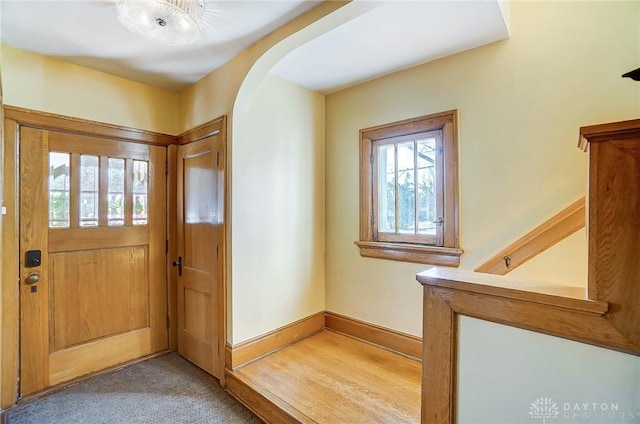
167 389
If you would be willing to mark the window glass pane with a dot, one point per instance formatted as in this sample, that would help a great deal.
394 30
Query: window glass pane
140 190
406 188
116 192
88 191
58 189
387 189
427 186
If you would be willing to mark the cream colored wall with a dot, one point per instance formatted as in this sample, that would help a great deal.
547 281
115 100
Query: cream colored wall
278 224
503 370
42 83
521 104
566 262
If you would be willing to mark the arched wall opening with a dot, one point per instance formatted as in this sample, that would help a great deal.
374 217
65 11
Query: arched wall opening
276 167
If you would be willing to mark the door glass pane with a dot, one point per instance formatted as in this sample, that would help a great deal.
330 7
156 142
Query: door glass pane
406 188
386 189
426 186
58 189
140 192
88 191
115 215
201 206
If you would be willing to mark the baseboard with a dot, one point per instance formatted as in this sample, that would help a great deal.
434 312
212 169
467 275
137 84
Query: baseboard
244 352
393 340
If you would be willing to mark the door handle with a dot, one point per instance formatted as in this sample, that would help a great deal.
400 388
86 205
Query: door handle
178 263
32 279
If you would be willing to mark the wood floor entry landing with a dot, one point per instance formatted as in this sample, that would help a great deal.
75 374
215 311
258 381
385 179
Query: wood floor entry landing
330 378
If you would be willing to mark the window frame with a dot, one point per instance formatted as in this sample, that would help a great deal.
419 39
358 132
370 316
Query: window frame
402 248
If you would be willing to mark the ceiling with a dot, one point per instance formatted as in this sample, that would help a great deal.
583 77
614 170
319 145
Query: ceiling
389 36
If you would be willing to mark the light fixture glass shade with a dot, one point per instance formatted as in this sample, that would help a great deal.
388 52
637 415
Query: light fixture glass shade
173 22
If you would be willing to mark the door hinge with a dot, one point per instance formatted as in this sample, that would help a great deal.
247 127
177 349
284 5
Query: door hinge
166 246
166 168
218 342
217 251
218 159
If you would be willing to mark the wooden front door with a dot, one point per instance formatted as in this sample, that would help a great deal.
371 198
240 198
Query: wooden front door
96 296
200 237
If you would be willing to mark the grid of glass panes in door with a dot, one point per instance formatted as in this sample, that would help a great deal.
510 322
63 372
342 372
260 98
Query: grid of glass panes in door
408 184
121 176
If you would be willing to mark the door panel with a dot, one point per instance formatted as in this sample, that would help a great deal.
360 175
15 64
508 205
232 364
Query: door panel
111 300
96 209
200 231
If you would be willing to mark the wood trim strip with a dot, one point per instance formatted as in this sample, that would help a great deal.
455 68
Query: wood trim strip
393 340
552 231
9 270
221 124
64 142
51 121
432 255
605 132
594 329
202 131
242 353
74 239
172 244
567 297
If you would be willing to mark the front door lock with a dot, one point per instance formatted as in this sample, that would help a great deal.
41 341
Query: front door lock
33 259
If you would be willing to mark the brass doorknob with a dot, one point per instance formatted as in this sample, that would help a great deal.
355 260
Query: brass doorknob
33 278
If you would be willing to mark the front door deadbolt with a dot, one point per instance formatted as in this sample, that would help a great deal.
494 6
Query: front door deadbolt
33 259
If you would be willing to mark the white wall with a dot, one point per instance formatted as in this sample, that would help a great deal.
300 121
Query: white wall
522 102
502 370
278 264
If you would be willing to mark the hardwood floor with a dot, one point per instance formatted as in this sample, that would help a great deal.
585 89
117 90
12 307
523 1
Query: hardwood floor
330 378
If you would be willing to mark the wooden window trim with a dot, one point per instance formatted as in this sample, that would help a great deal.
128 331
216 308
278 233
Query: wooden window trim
370 245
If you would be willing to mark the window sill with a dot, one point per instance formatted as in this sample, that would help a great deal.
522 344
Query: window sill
430 255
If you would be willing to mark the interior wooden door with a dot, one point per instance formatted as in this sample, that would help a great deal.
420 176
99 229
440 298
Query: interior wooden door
200 236
96 296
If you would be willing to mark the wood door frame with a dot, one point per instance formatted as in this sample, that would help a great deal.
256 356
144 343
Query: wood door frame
14 119
219 126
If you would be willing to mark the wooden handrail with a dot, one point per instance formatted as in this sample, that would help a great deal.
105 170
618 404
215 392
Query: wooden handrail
552 231
605 313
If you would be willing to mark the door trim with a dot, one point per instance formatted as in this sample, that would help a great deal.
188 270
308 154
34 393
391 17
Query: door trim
68 124
14 119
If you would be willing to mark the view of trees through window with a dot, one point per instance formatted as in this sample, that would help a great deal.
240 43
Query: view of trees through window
87 175
59 189
409 190
407 186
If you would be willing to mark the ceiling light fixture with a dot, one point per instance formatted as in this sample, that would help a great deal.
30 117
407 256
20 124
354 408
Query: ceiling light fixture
174 22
